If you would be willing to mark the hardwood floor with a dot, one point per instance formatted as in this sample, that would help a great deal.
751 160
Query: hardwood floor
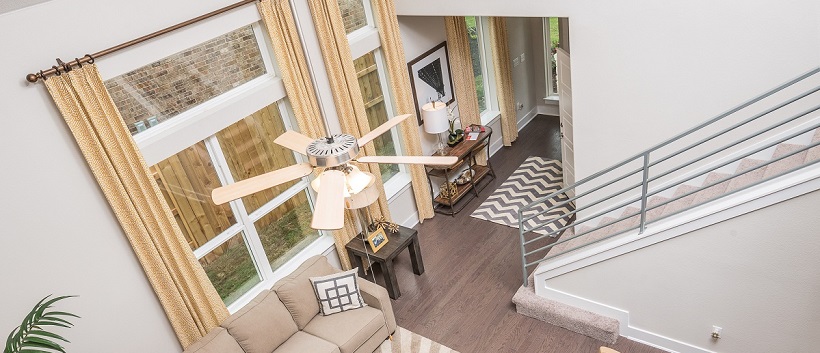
464 299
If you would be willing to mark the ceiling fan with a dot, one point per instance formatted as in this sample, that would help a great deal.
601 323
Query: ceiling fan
338 180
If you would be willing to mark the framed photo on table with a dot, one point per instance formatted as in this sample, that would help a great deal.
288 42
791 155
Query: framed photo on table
430 78
377 239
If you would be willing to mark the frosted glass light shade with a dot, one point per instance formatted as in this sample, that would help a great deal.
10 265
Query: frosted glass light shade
435 117
355 181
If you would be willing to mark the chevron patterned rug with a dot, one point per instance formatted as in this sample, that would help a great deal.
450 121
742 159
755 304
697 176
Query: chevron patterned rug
534 179
405 341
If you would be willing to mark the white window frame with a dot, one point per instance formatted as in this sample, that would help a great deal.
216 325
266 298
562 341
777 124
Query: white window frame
202 122
552 91
363 41
491 110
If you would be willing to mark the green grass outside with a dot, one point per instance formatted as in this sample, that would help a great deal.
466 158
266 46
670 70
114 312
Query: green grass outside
234 268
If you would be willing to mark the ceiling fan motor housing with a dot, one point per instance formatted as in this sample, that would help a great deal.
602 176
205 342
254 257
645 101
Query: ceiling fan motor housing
334 150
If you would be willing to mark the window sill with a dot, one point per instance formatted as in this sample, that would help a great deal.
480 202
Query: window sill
396 184
488 116
551 99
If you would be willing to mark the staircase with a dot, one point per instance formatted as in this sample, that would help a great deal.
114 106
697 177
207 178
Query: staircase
756 144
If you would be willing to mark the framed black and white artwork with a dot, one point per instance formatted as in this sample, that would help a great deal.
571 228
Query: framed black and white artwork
430 78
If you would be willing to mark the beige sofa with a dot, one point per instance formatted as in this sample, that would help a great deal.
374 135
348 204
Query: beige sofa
286 319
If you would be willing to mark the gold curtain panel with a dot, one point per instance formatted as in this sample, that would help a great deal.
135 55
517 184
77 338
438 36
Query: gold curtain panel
327 19
461 68
190 301
503 79
393 51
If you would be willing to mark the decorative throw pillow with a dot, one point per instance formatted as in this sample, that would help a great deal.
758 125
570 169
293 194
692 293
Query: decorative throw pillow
337 292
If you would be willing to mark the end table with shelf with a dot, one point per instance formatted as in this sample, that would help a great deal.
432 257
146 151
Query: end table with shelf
466 152
406 238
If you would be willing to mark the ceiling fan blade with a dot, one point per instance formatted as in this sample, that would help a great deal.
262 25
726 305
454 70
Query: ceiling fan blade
382 129
294 141
427 160
330 206
258 183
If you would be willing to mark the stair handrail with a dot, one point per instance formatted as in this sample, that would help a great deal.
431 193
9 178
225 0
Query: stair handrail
677 137
645 155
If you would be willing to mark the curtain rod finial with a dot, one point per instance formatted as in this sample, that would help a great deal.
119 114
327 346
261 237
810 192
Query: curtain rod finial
31 78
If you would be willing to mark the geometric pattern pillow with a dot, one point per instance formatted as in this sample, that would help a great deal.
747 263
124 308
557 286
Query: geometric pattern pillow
337 292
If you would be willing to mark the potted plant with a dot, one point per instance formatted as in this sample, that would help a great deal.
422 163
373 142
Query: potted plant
33 335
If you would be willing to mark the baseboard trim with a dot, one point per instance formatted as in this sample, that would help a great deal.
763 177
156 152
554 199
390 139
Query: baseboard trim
626 329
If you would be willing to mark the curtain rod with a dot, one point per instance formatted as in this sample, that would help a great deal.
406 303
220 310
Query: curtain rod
62 67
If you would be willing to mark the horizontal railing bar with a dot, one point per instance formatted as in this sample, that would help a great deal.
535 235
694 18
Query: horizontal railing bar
681 135
693 206
750 185
592 204
584 180
735 143
623 218
673 154
585 219
582 221
747 154
733 176
581 246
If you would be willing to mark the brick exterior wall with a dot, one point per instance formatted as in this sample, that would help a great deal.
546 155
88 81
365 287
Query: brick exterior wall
186 79
352 14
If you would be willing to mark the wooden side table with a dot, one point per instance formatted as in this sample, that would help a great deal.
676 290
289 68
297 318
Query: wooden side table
406 238
465 151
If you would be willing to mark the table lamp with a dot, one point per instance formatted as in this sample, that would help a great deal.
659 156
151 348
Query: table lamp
434 115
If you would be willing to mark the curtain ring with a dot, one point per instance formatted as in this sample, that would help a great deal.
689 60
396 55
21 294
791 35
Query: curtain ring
57 70
79 64
42 75
90 58
66 67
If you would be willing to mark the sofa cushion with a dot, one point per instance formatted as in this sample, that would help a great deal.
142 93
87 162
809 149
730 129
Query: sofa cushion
304 342
216 341
296 292
262 325
349 329
337 292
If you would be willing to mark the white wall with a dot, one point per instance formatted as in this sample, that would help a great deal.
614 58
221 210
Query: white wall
756 276
59 234
651 69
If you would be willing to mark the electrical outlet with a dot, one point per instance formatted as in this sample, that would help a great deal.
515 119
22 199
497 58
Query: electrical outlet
716 330
516 61
523 57
519 105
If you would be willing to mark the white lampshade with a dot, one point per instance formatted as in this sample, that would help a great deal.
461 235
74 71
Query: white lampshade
355 181
435 117
363 198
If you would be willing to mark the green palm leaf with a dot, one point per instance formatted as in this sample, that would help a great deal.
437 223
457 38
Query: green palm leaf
32 337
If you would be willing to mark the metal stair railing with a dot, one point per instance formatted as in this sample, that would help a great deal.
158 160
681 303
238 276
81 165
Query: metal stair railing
528 213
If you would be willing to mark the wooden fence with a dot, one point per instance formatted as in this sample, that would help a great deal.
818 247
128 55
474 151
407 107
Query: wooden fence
187 178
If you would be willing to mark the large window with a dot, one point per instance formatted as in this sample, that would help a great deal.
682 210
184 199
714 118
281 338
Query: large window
373 83
551 45
206 117
482 67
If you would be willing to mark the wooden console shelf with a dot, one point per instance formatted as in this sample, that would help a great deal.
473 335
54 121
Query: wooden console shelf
466 152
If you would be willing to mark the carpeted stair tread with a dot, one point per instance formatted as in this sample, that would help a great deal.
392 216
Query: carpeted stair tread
655 213
749 178
786 164
587 323
681 203
714 191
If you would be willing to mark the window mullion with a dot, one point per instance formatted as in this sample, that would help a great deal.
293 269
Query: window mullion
252 239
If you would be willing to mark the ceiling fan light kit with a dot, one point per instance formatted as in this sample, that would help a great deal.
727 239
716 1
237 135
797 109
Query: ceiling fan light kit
339 185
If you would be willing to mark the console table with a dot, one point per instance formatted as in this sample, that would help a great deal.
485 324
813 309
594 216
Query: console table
465 151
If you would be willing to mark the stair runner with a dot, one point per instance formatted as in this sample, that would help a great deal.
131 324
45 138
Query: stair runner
607 329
